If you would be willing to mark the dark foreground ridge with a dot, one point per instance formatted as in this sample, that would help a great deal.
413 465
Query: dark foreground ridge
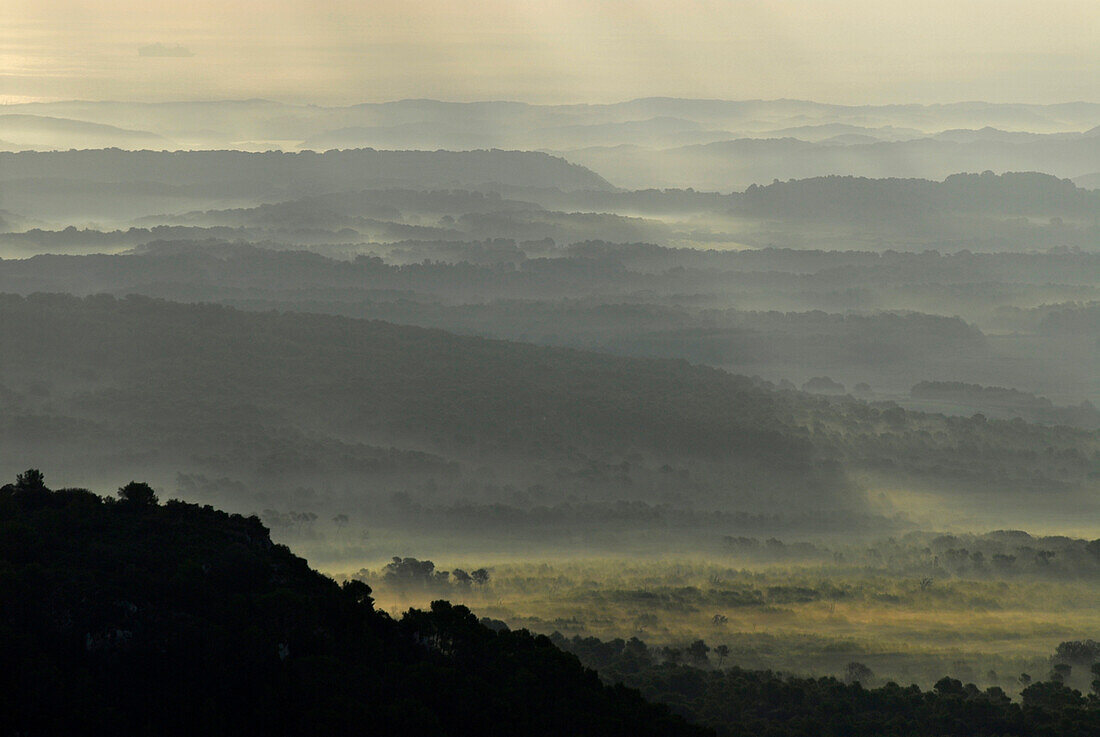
128 617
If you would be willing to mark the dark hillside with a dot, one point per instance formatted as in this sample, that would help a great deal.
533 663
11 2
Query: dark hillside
126 617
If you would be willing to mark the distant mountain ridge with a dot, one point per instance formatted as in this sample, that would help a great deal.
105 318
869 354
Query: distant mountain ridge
305 172
734 164
722 145
51 132
652 122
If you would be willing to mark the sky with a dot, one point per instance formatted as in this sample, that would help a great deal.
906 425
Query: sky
336 52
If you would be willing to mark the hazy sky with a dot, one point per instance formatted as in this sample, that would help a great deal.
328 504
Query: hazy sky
345 51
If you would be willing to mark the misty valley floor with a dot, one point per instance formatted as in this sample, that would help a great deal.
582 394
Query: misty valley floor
807 619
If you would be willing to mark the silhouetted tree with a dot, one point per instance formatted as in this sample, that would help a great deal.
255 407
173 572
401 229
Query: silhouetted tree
30 480
407 571
138 493
360 593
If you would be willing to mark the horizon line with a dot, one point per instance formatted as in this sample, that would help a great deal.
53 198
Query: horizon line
507 101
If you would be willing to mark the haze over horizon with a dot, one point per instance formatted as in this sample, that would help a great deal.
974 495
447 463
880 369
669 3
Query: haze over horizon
549 52
15 100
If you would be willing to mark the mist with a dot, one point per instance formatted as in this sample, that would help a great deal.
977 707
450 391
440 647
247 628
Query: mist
550 369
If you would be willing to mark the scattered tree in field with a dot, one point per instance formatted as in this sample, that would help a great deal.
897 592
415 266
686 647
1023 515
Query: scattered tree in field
410 571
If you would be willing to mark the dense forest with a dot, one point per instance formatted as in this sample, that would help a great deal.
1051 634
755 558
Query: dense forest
734 701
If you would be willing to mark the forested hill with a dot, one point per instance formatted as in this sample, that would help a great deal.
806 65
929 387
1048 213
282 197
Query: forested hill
296 396
368 378
237 173
908 200
288 400
132 618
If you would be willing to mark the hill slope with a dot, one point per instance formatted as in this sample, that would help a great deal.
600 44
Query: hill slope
333 410
183 620
39 131
295 396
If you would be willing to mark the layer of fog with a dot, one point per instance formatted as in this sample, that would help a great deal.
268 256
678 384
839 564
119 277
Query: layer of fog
707 144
